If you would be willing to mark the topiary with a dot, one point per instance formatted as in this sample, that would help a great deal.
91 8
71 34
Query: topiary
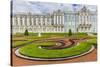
26 32
70 32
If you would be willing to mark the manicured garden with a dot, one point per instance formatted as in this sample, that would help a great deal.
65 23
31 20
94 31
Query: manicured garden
33 46
33 50
17 38
19 43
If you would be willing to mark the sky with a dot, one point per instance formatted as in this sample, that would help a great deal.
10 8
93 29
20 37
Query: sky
36 7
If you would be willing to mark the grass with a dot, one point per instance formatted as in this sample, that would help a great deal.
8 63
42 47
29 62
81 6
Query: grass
19 43
94 33
93 41
34 36
33 50
49 34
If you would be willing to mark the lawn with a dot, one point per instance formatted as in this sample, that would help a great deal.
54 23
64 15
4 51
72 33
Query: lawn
33 50
17 38
93 41
19 43
47 35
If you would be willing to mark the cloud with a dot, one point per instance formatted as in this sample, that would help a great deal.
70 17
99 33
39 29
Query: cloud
43 7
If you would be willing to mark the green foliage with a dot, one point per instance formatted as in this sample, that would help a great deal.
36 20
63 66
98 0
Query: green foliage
34 36
70 32
26 32
93 42
20 43
94 33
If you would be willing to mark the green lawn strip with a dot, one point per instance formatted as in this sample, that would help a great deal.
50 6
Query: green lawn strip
54 34
42 34
33 50
93 41
94 33
49 35
19 43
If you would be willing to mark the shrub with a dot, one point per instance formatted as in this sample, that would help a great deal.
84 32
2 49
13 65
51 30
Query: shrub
26 32
70 32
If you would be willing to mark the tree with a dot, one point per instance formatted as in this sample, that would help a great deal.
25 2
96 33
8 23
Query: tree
70 32
26 32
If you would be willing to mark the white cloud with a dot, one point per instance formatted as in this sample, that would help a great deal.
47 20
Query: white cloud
42 7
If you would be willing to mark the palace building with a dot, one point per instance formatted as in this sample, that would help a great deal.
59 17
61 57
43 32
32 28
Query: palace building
58 21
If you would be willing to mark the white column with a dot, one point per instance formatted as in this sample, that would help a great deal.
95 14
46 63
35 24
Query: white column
54 19
60 20
89 18
63 19
18 18
50 21
41 20
27 21
57 19
36 21
86 20
22 21
79 19
45 20
32 20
